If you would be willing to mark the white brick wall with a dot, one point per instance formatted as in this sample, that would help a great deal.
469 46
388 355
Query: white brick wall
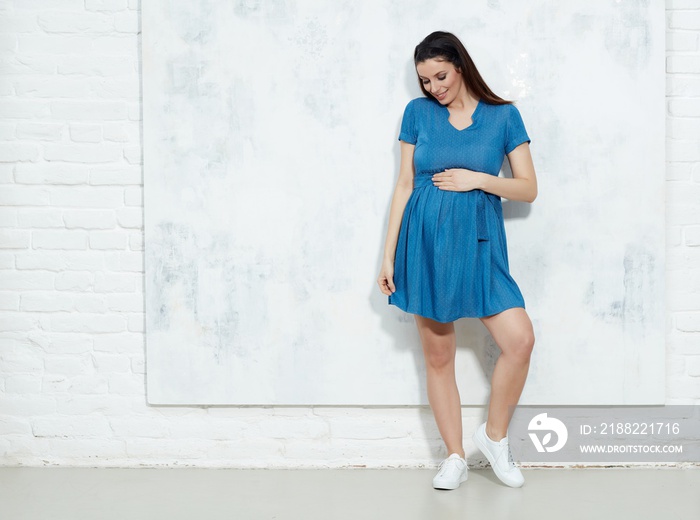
683 200
72 388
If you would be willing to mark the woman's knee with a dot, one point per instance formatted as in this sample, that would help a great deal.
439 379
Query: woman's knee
439 355
521 345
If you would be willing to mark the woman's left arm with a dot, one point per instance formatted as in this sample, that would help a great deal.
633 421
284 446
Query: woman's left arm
522 187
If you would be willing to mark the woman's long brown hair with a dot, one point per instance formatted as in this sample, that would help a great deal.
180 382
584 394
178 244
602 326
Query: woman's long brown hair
446 46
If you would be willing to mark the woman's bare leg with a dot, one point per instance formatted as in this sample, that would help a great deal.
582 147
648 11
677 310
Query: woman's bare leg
439 348
513 333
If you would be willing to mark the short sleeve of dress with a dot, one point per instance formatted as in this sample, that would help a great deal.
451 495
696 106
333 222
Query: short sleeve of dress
515 130
408 131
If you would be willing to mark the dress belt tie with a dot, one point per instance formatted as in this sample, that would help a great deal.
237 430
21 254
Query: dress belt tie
482 231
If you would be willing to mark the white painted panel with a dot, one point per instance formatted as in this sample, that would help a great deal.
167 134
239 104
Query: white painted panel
270 156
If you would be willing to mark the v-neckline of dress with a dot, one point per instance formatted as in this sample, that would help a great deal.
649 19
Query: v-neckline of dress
473 118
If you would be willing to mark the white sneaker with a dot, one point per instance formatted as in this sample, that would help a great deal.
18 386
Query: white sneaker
451 472
499 456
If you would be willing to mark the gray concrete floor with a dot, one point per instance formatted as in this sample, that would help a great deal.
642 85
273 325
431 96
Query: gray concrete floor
358 494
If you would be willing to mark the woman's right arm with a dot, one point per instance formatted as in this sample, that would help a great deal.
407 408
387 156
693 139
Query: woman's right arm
404 187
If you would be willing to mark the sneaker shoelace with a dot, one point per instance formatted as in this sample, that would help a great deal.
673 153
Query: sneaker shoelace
511 462
442 468
510 457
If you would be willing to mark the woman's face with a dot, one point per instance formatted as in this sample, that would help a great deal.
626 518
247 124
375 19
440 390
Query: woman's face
441 79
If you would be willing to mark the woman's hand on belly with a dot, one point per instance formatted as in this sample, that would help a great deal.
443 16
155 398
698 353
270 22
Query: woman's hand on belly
459 179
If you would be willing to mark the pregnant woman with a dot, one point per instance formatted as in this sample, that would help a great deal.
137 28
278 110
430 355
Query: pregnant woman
445 255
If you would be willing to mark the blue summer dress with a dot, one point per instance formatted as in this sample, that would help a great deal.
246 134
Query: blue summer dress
451 257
